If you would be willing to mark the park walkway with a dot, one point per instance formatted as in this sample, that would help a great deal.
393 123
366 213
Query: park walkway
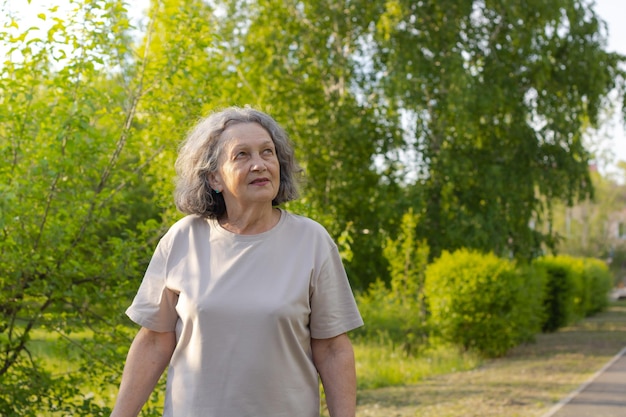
604 395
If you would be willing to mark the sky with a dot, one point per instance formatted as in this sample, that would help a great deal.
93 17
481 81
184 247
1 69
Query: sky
613 12
609 141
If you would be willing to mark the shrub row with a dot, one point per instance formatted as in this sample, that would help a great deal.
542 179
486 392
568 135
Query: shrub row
482 302
487 304
574 289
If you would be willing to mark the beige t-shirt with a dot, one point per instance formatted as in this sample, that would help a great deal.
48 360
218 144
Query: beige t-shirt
244 308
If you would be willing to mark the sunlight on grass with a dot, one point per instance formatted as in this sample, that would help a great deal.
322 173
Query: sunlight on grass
61 355
378 364
383 366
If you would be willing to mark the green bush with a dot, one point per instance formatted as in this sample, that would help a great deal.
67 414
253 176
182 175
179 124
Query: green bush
580 286
530 300
599 281
391 319
575 288
481 302
564 287
395 313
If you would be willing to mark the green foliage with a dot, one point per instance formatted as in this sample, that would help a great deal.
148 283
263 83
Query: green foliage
575 288
302 61
396 313
382 365
563 290
500 95
598 283
530 300
72 200
477 127
481 302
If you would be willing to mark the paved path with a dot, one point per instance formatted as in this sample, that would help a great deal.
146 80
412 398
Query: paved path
604 395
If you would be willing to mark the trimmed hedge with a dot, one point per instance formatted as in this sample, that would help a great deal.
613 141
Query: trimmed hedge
576 288
482 302
599 282
558 300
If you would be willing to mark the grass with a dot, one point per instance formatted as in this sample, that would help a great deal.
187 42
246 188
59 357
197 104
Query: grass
61 355
526 382
383 366
57 353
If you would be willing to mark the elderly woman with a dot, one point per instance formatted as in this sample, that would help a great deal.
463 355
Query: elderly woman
245 302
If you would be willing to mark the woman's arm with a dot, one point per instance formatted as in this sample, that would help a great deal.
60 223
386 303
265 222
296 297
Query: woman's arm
334 360
147 358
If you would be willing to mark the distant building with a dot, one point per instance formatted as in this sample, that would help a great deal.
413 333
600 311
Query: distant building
616 227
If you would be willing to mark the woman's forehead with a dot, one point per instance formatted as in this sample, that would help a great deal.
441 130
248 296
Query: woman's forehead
245 133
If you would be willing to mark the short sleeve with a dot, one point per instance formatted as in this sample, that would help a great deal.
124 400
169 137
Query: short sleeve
333 308
154 305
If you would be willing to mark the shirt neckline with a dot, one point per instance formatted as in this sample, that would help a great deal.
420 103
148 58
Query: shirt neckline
218 228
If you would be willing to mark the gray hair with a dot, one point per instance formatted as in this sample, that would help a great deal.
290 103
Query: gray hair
198 156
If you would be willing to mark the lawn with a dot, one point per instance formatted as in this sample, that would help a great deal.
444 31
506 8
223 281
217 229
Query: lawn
525 383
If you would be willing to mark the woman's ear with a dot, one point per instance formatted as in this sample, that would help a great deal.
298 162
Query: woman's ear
215 182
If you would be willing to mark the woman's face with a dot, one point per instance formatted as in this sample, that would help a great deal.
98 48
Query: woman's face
249 171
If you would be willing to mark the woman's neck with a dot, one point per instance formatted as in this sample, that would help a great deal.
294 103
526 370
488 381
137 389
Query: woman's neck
250 222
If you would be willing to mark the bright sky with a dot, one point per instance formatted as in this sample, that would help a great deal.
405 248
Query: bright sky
614 13
610 141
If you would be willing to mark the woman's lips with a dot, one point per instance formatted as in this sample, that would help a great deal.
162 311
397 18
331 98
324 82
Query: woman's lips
260 181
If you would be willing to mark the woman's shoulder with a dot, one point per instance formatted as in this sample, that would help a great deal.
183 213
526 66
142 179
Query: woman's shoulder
305 224
186 225
188 222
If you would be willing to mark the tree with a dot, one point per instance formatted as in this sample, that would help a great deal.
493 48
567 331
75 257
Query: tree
501 93
74 196
301 61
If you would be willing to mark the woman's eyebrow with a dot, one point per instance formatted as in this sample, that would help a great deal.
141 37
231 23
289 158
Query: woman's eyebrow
246 145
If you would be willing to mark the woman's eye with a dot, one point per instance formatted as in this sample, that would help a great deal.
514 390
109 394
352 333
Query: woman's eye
269 151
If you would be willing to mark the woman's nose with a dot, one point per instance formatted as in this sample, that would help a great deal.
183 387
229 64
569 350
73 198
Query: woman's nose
258 164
